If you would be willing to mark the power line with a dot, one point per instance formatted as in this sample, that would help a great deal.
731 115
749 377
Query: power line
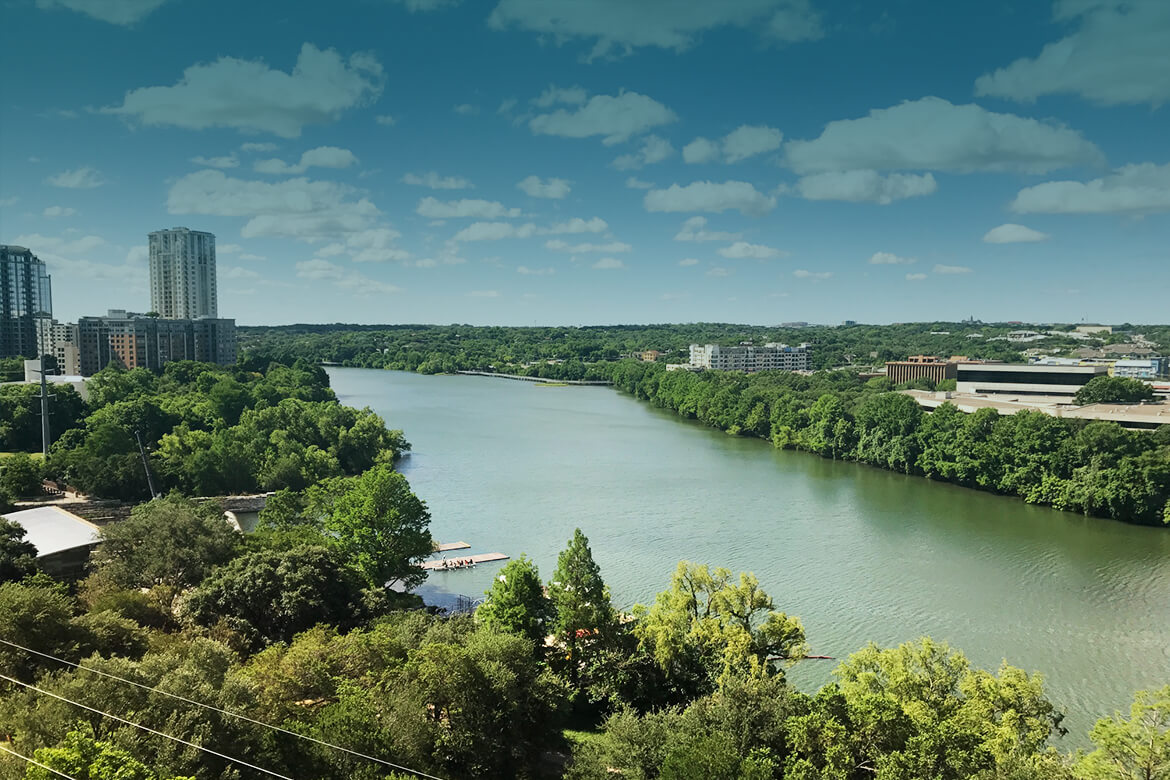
148 729
37 763
230 714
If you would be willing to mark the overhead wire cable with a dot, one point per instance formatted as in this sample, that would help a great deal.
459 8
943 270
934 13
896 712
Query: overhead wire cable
34 762
147 729
229 713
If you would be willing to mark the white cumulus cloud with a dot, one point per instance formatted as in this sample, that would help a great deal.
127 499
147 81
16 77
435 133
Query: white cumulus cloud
915 277
634 183
349 281
467 208
84 178
742 250
578 225
1117 55
614 117
494 231
951 269
293 208
889 258
59 211
865 186
695 229
1142 188
434 181
526 271
227 161
609 263
554 189
559 245
654 149
247 95
1011 233
620 26
688 261
741 143
710 196
816 276
934 134
321 157
123 12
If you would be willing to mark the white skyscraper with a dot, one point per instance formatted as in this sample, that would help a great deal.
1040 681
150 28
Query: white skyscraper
182 274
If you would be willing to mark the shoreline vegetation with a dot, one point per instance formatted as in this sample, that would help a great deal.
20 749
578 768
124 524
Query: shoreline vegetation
1094 468
309 624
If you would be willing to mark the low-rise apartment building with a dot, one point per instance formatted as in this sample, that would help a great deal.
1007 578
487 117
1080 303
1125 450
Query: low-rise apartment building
750 359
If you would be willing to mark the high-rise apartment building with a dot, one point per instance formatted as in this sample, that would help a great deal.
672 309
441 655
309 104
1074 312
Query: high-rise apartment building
182 274
25 297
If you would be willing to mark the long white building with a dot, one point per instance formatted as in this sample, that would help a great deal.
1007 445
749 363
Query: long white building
182 274
770 357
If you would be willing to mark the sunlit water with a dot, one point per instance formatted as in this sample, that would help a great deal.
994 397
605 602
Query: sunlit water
858 553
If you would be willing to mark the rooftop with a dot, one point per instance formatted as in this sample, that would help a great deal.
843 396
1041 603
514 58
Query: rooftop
54 530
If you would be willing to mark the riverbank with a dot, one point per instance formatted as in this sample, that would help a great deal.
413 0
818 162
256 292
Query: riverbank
1094 468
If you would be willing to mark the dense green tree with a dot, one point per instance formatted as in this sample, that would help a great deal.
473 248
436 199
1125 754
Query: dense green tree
18 557
167 546
516 602
82 757
1134 748
1114 390
37 613
20 476
724 626
20 415
377 524
270 596
581 599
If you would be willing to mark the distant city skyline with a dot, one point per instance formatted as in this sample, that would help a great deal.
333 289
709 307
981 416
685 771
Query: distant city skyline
599 162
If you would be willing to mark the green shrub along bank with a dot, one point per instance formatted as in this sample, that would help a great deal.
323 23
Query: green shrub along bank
1097 467
285 628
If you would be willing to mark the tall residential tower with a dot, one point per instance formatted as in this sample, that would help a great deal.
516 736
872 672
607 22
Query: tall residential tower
25 298
182 274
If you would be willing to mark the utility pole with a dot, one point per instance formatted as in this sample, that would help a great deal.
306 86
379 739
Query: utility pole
146 467
44 396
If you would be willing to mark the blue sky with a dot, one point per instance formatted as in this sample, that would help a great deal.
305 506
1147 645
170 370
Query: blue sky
599 161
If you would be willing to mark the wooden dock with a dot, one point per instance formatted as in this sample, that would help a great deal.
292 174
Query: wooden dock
480 558
448 546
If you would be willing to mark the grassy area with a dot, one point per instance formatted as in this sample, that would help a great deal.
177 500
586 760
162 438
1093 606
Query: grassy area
33 455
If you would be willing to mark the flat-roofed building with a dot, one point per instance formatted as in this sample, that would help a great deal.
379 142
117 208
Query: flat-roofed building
1151 368
750 359
63 540
914 367
1031 379
136 341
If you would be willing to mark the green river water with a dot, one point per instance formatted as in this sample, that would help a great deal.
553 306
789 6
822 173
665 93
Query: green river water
858 553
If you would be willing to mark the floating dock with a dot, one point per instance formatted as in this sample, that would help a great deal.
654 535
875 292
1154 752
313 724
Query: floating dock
452 562
448 546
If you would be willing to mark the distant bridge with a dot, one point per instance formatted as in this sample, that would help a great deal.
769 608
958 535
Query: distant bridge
537 378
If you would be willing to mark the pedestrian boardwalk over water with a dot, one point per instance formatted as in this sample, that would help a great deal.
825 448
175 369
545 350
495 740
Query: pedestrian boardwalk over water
448 546
454 563
537 378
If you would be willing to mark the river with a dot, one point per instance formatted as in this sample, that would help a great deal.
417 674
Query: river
858 553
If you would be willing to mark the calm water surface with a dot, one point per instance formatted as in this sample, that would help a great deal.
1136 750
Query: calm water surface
858 553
